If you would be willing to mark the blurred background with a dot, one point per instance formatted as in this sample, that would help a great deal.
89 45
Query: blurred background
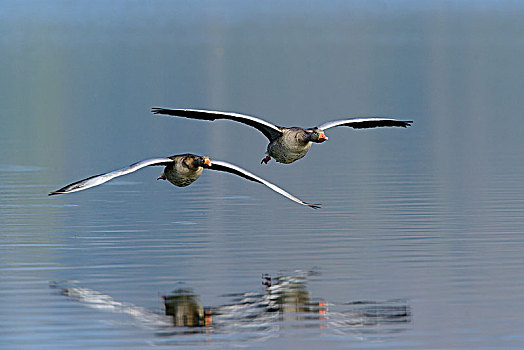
431 215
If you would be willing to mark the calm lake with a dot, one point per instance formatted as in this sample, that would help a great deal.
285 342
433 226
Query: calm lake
420 239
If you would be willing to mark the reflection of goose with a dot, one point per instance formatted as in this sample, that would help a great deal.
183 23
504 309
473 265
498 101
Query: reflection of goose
286 145
181 170
185 308
253 315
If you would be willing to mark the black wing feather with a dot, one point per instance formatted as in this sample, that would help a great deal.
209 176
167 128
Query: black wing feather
269 130
365 123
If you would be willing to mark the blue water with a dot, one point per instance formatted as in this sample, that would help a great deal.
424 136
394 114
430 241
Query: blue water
419 241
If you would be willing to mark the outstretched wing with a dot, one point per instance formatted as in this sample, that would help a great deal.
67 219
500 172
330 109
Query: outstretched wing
364 123
269 130
100 179
233 169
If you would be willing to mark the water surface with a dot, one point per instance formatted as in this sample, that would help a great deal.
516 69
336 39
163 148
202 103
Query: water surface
419 242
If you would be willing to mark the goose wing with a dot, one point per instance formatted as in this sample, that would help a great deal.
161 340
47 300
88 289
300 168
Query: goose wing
100 179
364 123
233 169
269 130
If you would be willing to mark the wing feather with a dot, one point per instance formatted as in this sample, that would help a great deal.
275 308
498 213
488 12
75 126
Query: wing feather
233 169
364 123
102 178
269 130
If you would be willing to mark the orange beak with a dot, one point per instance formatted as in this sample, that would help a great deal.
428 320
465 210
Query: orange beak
207 162
322 136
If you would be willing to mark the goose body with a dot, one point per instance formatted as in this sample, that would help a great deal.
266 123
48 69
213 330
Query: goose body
291 146
184 170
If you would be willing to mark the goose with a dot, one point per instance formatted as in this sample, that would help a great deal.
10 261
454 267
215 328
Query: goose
181 170
286 145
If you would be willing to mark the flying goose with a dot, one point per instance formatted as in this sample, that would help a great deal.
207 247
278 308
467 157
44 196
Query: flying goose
286 145
181 170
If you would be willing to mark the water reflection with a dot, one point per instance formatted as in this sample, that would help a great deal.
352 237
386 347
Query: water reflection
284 301
184 306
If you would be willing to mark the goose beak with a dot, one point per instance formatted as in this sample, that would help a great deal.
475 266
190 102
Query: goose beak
207 161
322 137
